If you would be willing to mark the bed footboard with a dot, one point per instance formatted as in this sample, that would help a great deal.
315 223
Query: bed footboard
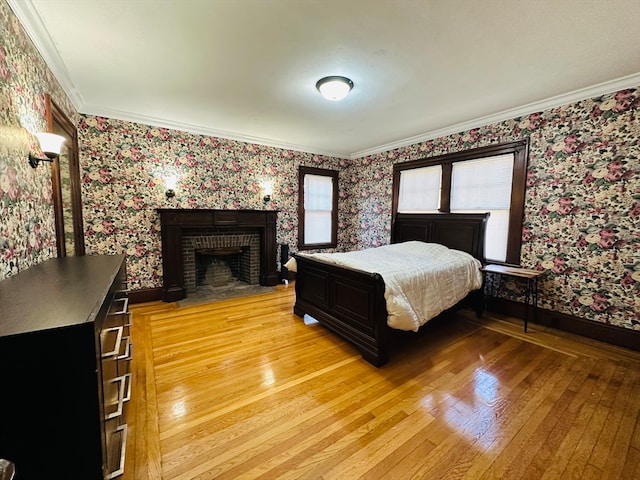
349 302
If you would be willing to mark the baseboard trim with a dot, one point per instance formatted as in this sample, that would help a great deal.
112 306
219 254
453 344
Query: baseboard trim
145 295
622 337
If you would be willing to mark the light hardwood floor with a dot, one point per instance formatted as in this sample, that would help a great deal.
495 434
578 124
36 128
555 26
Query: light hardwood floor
244 389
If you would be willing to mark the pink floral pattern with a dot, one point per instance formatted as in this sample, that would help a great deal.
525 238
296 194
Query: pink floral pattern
27 229
125 166
582 212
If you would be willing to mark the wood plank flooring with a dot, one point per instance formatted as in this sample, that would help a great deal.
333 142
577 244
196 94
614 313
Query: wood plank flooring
244 389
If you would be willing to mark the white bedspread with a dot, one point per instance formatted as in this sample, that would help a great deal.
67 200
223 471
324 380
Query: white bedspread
421 279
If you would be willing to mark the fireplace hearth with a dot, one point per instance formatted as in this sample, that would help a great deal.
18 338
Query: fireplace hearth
249 235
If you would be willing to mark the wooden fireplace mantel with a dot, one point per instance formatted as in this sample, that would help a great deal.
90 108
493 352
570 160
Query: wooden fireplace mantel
174 221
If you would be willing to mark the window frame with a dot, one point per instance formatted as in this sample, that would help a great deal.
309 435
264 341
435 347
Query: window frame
323 172
520 151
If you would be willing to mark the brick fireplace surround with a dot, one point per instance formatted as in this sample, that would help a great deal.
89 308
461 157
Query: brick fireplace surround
179 224
242 248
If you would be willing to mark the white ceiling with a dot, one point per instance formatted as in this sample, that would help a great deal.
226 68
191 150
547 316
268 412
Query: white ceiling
246 69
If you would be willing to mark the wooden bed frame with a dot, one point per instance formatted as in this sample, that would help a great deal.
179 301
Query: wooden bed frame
351 302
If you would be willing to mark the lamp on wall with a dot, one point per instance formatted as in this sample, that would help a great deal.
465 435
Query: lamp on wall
267 188
334 87
170 182
50 144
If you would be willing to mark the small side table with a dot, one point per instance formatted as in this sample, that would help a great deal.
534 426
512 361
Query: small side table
528 275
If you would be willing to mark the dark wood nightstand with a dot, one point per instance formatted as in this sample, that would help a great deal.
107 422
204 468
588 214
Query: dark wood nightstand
524 274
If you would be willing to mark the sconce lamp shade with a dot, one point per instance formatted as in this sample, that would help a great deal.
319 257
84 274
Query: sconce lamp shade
170 181
267 188
50 143
335 87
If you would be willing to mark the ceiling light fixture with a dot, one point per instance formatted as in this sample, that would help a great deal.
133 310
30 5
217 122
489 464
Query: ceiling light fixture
335 87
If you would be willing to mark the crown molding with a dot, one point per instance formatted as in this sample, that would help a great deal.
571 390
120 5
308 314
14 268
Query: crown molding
32 23
630 81
200 130
36 30
34 26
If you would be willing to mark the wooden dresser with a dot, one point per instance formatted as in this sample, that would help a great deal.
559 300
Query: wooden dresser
65 378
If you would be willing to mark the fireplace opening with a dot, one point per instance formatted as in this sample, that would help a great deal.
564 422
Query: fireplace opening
218 267
221 260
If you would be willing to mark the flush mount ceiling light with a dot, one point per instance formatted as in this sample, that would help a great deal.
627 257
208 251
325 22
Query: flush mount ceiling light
335 87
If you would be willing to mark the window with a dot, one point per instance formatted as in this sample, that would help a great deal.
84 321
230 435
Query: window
488 179
484 185
317 208
420 189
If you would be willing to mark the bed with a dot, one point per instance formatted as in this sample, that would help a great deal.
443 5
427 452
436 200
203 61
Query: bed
351 301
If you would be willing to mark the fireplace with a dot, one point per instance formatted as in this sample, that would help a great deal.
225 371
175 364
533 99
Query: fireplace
211 257
187 233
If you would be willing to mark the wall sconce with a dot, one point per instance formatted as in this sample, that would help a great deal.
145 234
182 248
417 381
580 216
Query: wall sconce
50 144
170 182
268 191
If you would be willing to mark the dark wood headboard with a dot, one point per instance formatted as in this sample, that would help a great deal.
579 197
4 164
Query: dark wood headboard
461 231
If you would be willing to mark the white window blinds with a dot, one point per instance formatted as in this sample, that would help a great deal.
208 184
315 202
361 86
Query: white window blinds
484 185
318 204
420 189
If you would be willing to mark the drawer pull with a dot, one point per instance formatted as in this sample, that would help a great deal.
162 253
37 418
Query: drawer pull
118 410
116 349
125 384
7 469
123 451
127 397
127 350
122 291
125 306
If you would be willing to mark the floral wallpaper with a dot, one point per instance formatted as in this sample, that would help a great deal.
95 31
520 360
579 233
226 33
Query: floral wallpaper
27 229
582 212
125 167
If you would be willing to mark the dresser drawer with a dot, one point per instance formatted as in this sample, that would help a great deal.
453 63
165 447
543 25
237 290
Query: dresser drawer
116 397
116 435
